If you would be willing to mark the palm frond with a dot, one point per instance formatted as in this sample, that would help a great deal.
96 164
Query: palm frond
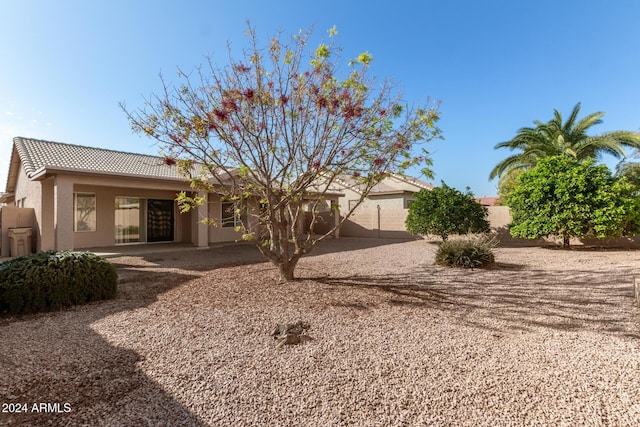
589 121
569 124
556 137
516 162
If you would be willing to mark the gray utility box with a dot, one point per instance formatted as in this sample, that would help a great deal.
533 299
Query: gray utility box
20 241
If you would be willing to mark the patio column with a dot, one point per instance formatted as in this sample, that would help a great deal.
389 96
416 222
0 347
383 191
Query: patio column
63 212
47 221
336 217
202 230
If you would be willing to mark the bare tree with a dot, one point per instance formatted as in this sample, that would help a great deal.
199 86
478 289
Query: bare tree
279 125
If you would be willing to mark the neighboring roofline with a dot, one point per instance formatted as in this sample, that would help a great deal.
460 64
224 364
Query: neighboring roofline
390 193
412 180
488 200
409 180
319 194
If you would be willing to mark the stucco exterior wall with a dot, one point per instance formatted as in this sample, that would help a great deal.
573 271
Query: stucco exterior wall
386 202
218 233
44 216
11 217
31 193
389 201
498 216
383 223
344 201
27 190
105 214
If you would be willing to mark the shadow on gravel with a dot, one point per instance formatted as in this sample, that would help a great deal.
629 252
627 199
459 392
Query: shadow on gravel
208 259
58 358
346 244
190 259
518 299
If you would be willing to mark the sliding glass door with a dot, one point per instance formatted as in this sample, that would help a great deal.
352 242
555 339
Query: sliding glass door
129 225
159 220
140 220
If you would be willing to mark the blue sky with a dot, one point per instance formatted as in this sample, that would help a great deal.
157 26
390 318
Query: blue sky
495 65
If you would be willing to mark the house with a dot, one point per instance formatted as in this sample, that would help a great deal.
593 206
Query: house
383 212
393 192
87 197
488 201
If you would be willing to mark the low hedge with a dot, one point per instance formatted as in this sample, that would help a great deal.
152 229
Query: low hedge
53 280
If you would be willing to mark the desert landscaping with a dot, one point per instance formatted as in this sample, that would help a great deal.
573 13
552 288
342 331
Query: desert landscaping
544 337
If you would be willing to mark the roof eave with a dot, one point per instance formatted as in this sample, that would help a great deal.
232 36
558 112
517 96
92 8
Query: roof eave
48 170
7 197
14 171
391 193
413 181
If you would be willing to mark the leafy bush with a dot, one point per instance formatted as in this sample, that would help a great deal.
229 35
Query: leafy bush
444 211
466 253
52 280
565 197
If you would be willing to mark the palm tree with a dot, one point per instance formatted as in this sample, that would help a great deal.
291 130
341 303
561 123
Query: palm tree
557 138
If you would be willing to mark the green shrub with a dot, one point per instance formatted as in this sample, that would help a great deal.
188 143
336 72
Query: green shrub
53 280
466 253
444 211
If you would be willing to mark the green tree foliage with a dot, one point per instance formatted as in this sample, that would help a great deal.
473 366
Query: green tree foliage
276 128
507 184
631 171
567 198
558 137
444 211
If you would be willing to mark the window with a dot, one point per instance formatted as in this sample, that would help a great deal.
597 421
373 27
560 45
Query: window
407 203
84 212
129 220
229 217
352 204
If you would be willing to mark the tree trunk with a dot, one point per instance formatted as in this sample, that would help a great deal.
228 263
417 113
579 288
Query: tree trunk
565 241
287 269
286 273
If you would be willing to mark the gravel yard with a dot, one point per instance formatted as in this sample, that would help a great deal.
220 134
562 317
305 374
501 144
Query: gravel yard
546 337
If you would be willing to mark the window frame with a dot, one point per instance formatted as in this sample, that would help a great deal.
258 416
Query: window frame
408 202
93 214
227 221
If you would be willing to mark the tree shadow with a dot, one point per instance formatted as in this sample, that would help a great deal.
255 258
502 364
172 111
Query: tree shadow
591 248
233 254
505 240
517 299
192 259
506 266
346 244
59 358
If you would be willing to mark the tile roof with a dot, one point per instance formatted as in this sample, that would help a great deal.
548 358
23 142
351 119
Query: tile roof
38 155
415 181
487 201
384 187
